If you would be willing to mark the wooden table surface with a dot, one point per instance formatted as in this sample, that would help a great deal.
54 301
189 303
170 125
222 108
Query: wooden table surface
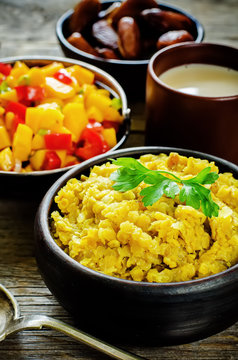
27 27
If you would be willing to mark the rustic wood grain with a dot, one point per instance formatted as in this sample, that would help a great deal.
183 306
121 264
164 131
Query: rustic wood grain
27 27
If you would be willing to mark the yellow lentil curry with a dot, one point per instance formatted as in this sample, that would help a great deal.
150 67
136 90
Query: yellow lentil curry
114 233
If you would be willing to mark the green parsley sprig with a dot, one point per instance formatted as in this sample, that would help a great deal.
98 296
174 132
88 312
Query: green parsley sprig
192 192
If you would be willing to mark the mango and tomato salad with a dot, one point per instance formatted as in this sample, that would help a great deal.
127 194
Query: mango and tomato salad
53 116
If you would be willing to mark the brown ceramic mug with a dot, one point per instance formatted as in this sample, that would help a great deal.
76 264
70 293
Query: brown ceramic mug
173 118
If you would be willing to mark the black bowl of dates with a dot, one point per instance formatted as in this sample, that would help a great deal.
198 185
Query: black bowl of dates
120 37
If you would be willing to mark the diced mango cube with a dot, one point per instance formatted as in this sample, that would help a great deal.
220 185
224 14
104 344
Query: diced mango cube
6 159
10 95
110 137
22 142
19 69
4 138
99 101
9 119
56 88
11 81
51 69
40 117
111 114
37 159
94 114
62 130
62 155
104 104
70 160
38 142
83 75
75 118
79 98
36 77
87 89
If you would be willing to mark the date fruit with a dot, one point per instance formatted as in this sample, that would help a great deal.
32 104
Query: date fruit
129 38
127 29
173 37
103 32
131 8
85 12
108 53
160 21
77 40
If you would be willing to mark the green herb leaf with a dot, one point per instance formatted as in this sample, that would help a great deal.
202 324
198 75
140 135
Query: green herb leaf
153 193
116 103
131 173
4 87
190 196
204 177
172 189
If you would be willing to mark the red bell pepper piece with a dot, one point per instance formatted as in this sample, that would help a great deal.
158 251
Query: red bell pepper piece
93 144
110 124
5 69
95 125
72 149
58 141
16 108
29 93
51 161
15 122
62 76
86 152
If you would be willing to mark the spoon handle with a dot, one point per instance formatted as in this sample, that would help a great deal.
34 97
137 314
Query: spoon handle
39 321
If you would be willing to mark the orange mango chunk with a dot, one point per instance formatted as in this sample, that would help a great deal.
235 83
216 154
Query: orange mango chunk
37 159
110 137
75 119
58 89
51 69
6 159
22 142
41 117
4 138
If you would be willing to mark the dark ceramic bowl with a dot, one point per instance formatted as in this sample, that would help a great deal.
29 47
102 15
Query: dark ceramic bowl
130 73
129 311
39 181
202 123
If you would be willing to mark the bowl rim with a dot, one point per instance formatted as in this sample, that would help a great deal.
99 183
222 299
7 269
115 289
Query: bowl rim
80 53
43 216
121 93
189 45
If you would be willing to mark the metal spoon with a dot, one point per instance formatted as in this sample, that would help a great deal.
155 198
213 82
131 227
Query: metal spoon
11 322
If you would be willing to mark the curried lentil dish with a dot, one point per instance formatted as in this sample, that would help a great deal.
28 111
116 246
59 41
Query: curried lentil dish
115 233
